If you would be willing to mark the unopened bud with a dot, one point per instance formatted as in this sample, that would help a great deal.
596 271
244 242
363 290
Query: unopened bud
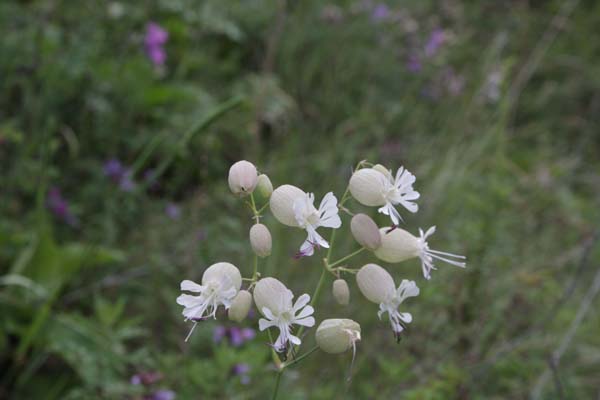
375 283
397 245
260 239
366 186
264 187
242 178
282 204
341 292
240 306
337 335
365 231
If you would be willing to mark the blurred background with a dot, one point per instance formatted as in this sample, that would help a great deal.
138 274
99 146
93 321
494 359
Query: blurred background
119 121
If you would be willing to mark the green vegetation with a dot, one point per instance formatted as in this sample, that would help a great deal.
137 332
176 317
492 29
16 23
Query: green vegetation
113 188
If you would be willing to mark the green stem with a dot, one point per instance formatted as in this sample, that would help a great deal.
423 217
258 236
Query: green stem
255 272
303 356
187 136
254 210
341 260
276 388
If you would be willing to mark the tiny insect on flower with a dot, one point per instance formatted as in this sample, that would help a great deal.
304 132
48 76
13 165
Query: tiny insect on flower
378 286
398 245
220 284
242 178
274 301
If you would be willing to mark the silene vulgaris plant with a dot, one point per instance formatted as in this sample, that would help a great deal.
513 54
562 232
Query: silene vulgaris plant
284 314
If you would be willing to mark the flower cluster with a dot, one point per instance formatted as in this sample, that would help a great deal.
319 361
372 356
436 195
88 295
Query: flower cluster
371 186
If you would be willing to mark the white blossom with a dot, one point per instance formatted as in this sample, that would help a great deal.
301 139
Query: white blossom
274 302
309 218
220 284
399 191
390 305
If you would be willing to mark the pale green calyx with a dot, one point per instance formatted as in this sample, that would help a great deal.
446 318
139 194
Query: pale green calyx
264 187
282 204
240 306
260 239
336 336
341 292
365 231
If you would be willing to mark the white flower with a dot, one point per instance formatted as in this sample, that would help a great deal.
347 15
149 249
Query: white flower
398 245
427 255
390 305
399 191
377 187
274 302
220 284
378 286
309 218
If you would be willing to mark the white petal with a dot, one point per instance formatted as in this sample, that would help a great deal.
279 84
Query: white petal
308 321
307 248
301 302
295 340
191 286
187 300
306 311
331 221
406 317
267 313
264 324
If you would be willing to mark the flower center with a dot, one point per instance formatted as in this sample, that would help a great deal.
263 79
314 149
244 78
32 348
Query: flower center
286 317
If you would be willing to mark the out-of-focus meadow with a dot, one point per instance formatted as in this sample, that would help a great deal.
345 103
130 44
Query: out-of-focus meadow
119 121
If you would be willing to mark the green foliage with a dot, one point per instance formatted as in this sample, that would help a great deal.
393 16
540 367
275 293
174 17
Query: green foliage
507 171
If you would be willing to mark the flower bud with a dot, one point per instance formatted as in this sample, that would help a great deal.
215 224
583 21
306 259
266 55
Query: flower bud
226 274
264 186
366 186
272 294
260 239
240 306
335 336
242 178
282 204
397 245
375 283
341 292
365 231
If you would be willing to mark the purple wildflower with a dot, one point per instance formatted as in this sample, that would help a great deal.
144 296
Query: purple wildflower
435 41
236 336
146 378
57 204
154 42
162 394
242 370
126 183
414 63
219 333
380 13
113 169
248 333
173 211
